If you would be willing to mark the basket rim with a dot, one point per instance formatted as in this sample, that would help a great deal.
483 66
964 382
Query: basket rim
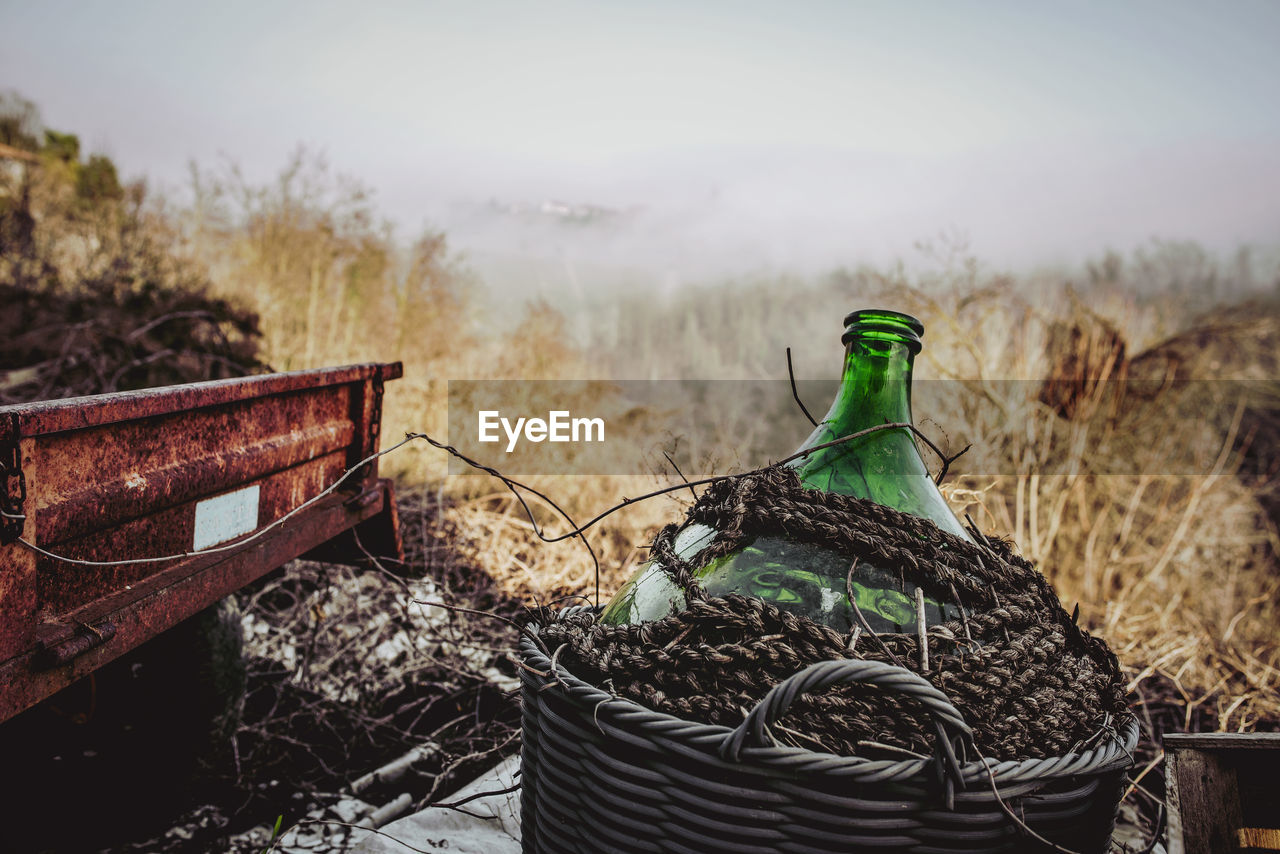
612 714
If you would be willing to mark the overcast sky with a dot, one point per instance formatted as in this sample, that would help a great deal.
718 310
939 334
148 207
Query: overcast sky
801 133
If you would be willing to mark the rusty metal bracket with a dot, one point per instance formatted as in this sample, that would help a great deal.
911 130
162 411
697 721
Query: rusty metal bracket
87 637
375 423
363 499
354 480
13 492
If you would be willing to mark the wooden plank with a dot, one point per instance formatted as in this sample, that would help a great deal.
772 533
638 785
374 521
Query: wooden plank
1206 775
1222 740
1208 803
1259 838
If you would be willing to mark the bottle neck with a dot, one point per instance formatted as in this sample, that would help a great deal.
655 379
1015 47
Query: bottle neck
875 387
885 465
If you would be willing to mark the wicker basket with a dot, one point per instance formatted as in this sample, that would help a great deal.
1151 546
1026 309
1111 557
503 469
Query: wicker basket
601 773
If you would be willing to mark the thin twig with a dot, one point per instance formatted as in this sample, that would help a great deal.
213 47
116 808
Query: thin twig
234 544
1004 807
795 393
895 425
1157 831
297 824
477 796
444 772
682 477
524 630
922 631
512 485
1159 757
853 603
165 318
946 461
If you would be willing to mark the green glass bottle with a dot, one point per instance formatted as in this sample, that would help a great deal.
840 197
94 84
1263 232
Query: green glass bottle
884 466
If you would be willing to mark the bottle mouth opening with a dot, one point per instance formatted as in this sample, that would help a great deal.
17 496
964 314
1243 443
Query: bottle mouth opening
877 324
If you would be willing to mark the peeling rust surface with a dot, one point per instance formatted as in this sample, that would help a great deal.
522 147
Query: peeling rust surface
120 477
63 651
102 476
64 587
75 413
17 600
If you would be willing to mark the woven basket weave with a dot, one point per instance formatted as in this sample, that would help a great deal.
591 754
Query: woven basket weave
601 773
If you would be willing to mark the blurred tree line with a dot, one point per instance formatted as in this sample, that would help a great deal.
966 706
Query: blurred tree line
105 287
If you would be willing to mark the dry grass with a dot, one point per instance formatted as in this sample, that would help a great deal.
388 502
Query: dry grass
492 529
1177 570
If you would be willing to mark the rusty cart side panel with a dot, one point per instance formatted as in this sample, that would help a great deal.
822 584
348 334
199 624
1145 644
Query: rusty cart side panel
72 413
99 477
127 476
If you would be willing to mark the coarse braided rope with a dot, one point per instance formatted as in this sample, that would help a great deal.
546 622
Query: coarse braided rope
1030 683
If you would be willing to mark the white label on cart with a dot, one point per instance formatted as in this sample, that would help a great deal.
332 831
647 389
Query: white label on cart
226 517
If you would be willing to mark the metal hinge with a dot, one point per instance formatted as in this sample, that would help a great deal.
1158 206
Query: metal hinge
84 639
13 492
354 481
375 423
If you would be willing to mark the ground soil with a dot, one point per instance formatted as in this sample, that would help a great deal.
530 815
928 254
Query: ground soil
297 749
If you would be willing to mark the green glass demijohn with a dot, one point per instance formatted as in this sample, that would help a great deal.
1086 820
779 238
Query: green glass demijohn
884 466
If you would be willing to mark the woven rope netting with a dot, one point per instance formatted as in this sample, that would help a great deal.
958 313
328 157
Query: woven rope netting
1029 681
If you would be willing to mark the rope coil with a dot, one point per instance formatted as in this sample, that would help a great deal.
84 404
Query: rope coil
1029 682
